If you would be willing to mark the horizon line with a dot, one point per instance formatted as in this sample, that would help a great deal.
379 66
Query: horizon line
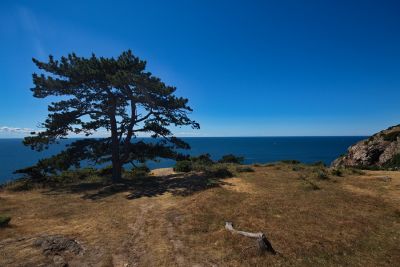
228 136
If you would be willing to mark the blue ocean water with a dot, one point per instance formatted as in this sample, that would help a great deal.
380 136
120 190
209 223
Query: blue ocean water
14 155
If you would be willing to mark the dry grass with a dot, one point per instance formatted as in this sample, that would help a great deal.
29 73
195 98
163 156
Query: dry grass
352 220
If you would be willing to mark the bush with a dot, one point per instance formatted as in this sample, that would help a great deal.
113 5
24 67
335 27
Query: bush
357 171
201 162
322 175
183 166
392 136
337 172
86 172
230 158
72 176
311 184
64 177
371 168
244 169
394 162
21 184
218 172
203 159
318 163
105 171
76 175
297 168
140 171
290 161
4 220
33 173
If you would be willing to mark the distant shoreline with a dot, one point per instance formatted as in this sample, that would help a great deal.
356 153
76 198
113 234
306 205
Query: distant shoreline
261 136
14 155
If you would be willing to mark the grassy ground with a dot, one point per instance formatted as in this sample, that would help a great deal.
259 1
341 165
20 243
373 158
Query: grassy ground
311 216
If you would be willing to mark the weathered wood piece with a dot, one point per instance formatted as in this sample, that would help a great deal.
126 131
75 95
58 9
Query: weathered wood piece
263 243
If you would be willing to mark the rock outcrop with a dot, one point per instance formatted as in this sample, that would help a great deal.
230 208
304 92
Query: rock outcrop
54 244
380 150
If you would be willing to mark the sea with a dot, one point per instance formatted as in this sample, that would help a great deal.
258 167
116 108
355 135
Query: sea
14 155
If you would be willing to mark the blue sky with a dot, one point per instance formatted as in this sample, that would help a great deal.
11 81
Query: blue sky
249 68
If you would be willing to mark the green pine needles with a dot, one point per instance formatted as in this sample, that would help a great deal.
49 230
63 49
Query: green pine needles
113 94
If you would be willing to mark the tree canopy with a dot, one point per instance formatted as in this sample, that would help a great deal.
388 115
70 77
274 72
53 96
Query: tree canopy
116 95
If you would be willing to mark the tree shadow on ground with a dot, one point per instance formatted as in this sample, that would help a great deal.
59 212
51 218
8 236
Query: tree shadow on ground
150 186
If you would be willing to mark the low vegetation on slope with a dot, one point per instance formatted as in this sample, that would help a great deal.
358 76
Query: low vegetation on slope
312 215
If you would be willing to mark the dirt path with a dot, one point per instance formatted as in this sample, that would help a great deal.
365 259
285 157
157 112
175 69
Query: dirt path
143 240
132 249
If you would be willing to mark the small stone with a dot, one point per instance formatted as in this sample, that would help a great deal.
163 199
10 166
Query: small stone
59 261
384 178
52 244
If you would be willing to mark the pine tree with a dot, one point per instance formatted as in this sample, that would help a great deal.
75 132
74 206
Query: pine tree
113 94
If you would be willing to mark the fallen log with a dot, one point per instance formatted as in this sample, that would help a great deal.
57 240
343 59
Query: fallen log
262 242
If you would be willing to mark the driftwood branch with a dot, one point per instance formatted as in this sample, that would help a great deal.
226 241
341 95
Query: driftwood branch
262 241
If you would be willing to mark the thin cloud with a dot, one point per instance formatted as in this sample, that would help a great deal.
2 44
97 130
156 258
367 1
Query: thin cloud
30 24
189 134
102 133
15 130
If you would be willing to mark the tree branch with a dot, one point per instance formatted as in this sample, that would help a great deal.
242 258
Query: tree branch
262 241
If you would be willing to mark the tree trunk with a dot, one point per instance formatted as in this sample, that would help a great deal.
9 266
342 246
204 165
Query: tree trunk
115 145
117 170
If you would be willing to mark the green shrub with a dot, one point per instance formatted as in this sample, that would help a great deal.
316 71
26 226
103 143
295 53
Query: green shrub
199 163
244 169
230 158
105 171
371 168
394 162
310 184
33 173
65 177
21 184
139 171
290 161
313 186
397 213
88 171
392 127
357 171
392 136
318 163
203 159
297 168
183 166
337 172
73 175
322 175
4 220
218 172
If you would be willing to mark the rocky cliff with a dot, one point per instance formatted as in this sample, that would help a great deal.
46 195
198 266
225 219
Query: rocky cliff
380 150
